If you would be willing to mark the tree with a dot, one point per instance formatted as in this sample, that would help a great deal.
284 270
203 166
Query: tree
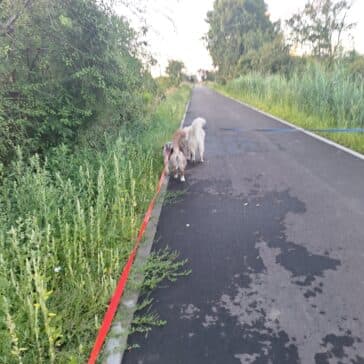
237 27
320 26
174 71
64 67
7 25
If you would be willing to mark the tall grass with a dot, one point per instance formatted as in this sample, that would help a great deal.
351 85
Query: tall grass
66 228
314 98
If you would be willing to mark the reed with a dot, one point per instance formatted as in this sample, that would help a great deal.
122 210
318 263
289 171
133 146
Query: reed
313 98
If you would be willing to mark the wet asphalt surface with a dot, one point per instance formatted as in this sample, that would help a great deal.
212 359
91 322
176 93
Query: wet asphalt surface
273 227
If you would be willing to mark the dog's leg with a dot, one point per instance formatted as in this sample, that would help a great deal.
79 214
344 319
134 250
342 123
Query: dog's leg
201 149
175 173
182 170
189 154
166 166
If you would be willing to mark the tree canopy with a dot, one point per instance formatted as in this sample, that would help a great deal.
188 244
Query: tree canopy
321 26
175 71
63 66
237 27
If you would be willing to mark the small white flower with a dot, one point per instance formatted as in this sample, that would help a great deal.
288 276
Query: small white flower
188 225
57 269
246 204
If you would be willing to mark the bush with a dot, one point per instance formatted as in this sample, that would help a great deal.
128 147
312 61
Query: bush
272 57
67 66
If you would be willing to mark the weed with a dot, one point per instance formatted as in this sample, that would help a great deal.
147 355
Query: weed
145 322
173 197
162 265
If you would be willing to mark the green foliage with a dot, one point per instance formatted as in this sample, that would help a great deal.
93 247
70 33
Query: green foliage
271 57
237 27
66 66
163 82
66 228
163 265
144 323
210 76
175 71
320 26
313 97
355 64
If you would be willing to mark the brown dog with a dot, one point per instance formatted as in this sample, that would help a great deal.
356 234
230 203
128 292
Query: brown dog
174 156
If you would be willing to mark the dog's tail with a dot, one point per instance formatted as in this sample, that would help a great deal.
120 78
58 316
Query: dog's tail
177 144
198 123
178 140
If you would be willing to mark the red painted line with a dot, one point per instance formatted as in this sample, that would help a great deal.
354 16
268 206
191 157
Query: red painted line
119 290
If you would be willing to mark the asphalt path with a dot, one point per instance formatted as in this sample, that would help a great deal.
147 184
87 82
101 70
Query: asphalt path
273 227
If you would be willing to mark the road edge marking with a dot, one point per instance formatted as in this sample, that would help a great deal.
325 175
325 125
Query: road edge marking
313 135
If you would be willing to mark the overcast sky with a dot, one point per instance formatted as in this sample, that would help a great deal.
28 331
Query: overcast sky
177 28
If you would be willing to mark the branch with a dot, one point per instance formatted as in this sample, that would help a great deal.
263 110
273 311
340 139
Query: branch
7 27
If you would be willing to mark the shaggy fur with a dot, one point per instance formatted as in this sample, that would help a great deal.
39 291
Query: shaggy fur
174 156
167 151
195 135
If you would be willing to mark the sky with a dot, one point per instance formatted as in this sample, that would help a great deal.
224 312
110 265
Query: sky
176 28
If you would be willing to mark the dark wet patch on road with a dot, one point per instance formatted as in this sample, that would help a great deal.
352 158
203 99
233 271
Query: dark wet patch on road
334 347
305 266
265 347
301 263
263 341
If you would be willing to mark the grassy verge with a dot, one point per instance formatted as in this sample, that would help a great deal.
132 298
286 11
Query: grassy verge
66 227
313 100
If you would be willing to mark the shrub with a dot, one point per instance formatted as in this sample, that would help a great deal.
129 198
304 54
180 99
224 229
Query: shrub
67 65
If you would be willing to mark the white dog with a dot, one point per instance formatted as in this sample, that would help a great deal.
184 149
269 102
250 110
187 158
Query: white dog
195 135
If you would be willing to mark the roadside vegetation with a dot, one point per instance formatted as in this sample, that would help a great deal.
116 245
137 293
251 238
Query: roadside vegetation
321 89
82 124
67 225
315 99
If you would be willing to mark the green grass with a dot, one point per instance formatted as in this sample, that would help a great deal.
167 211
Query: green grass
67 225
314 99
